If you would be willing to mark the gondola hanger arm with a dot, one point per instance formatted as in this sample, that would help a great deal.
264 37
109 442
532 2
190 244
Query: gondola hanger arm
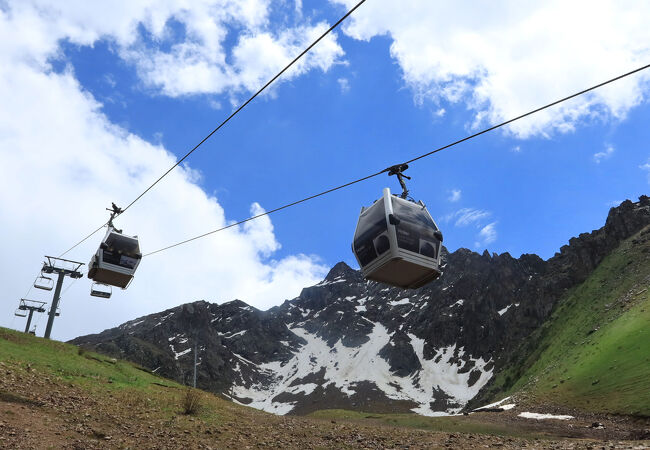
397 170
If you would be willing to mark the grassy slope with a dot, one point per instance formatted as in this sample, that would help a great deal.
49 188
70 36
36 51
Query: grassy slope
101 377
594 351
68 363
52 396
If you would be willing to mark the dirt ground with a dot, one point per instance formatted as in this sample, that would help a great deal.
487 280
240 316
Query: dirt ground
46 412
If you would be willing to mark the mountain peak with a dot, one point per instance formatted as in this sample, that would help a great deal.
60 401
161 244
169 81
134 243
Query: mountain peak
341 269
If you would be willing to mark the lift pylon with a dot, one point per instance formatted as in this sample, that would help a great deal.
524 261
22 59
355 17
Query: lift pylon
32 306
61 267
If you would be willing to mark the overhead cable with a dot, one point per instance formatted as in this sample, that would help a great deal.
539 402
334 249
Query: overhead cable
266 213
304 52
243 105
584 91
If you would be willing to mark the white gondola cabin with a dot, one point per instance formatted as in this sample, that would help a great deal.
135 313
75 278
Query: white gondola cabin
397 242
116 259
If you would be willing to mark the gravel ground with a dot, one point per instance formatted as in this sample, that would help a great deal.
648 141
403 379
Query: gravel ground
38 411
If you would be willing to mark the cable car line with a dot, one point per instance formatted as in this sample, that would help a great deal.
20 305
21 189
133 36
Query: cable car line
82 241
569 97
266 213
398 168
242 106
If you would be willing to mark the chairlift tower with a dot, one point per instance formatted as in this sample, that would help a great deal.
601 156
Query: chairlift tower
61 267
32 306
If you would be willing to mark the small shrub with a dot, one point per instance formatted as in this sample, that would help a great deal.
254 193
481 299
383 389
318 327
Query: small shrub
81 351
192 401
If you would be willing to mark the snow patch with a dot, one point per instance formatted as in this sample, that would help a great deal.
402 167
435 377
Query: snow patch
498 404
504 310
181 353
443 375
346 367
537 416
404 301
230 336
162 319
493 405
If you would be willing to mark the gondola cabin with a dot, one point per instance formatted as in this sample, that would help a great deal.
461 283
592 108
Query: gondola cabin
397 242
116 259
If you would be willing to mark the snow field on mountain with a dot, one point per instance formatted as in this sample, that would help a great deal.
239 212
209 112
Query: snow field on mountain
444 375
344 367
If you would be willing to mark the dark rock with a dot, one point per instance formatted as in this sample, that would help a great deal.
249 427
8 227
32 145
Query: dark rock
480 309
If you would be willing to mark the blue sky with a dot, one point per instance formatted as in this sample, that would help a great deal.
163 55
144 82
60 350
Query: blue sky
314 134
387 87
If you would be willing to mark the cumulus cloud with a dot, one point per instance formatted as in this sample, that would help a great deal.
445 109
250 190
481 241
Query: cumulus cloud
202 64
605 154
455 195
64 162
146 33
501 65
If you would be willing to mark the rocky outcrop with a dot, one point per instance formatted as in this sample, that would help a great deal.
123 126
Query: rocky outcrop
349 343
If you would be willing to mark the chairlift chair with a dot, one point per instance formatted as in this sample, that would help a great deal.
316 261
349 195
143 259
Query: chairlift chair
43 282
20 313
101 290
396 242
116 259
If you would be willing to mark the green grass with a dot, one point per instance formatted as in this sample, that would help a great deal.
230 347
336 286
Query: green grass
594 351
67 363
101 377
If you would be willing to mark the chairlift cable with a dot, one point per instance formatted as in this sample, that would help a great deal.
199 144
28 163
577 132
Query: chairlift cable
388 169
242 106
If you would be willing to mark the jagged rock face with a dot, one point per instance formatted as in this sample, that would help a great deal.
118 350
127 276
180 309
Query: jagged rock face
350 343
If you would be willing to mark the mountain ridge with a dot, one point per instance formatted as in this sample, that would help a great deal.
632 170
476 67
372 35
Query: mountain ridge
348 343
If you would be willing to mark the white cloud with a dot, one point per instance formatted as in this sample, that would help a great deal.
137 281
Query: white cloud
646 167
488 233
344 84
202 64
605 154
516 149
467 216
145 34
455 195
476 217
64 162
501 65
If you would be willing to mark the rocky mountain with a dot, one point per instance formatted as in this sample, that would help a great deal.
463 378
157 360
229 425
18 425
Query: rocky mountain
354 344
